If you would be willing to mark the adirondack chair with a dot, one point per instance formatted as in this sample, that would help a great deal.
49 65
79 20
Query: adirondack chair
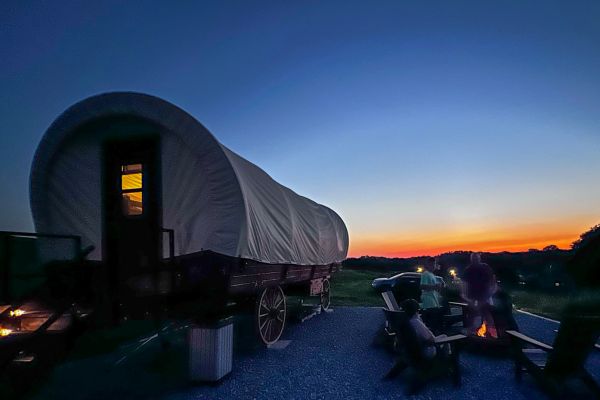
552 366
388 336
410 353
390 300
439 320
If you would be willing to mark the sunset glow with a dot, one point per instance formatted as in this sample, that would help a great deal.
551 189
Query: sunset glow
493 239
468 128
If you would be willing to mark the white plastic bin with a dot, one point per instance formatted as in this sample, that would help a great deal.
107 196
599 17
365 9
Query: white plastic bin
211 350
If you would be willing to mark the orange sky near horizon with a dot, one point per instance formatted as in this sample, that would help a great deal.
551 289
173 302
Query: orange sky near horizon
493 239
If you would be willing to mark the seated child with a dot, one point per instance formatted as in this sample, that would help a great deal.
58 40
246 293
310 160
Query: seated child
424 334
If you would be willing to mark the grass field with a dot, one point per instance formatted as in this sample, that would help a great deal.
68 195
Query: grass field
353 288
544 304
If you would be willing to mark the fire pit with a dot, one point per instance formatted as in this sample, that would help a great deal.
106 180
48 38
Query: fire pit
484 332
491 335
488 338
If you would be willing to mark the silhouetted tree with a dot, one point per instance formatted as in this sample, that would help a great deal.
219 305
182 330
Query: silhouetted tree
552 247
584 266
585 237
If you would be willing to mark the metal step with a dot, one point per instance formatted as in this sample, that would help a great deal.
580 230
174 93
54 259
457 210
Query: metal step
24 359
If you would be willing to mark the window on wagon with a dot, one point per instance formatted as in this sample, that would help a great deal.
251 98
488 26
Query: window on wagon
131 189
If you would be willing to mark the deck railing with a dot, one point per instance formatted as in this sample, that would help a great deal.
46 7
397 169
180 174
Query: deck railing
171 233
8 254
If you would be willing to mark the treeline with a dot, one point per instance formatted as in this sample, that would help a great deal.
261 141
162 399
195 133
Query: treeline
535 268
549 268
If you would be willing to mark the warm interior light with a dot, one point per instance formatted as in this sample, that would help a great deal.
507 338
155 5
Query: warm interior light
131 181
419 269
131 188
5 331
135 198
453 273
131 168
16 313
132 203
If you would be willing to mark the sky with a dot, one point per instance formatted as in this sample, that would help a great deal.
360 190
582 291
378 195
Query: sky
428 126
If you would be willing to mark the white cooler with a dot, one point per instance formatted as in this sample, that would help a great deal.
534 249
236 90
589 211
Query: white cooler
211 350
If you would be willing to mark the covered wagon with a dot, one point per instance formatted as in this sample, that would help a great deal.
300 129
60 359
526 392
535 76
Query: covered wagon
166 210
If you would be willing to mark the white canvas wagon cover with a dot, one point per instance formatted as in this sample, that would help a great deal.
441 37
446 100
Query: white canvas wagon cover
212 198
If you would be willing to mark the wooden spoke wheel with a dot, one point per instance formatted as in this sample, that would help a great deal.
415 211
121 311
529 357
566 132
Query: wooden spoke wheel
270 314
326 295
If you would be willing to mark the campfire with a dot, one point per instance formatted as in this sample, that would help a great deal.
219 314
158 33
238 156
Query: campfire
487 329
490 337
484 332
490 334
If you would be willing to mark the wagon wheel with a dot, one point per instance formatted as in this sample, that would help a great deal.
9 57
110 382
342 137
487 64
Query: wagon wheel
326 295
270 314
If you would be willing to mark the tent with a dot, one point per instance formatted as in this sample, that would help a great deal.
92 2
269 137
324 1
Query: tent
212 198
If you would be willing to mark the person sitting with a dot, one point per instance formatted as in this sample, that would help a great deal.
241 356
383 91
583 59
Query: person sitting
424 335
428 356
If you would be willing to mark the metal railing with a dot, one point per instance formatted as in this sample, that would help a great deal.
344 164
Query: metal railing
6 260
171 233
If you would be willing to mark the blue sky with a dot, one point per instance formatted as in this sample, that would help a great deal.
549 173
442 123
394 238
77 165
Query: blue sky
427 127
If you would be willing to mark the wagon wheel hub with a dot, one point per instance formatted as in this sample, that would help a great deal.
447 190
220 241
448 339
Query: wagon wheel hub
273 313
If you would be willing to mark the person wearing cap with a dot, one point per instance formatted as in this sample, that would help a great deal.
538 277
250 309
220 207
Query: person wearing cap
424 335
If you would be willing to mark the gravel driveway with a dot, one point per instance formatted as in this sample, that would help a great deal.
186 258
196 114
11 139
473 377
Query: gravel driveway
329 356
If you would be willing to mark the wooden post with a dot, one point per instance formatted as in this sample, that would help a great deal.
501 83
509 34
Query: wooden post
6 270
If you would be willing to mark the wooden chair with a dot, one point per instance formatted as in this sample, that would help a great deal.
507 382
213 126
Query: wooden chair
439 320
410 353
390 300
552 366
388 335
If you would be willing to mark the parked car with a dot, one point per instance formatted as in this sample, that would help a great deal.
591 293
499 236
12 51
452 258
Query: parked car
404 286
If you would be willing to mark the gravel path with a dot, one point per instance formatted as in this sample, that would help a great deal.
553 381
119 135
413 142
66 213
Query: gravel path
330 356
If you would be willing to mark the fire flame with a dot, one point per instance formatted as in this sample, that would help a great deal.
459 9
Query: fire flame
17 313
5 331
482 330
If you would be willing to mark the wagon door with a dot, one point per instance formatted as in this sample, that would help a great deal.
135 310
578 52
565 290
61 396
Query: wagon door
132 218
